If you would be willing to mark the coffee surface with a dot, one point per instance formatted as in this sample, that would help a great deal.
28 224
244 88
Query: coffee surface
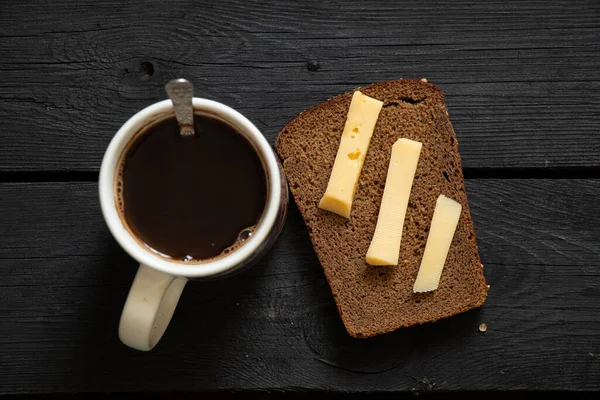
194 198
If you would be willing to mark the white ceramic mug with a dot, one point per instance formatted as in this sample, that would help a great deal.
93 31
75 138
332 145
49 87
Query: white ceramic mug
159 282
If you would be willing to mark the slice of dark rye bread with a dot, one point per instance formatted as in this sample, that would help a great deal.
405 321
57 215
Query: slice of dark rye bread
375 300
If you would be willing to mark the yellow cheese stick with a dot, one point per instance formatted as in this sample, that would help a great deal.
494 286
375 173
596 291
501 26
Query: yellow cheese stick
443 225
360 123
385 245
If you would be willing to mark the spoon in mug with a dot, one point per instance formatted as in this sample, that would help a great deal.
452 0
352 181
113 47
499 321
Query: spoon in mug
180 92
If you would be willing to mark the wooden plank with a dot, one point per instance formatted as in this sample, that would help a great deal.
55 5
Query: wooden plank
522 79
63 282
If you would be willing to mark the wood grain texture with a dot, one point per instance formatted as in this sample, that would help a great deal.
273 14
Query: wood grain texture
522 79
276 326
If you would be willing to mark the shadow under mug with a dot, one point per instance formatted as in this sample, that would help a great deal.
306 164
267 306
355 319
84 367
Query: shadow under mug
159 282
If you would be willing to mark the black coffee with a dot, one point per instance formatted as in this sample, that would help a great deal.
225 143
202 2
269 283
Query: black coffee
195 198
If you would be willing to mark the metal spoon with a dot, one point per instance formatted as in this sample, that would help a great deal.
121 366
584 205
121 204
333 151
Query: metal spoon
180 92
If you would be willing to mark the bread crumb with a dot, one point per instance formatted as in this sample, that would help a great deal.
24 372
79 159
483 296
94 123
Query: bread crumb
489 286
424 80
482 328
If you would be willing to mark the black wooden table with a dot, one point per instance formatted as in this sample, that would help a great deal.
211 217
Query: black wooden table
523 89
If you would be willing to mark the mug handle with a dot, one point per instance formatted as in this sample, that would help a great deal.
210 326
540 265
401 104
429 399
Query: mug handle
149 307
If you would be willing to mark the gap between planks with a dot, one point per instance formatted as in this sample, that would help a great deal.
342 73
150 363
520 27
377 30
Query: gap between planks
591 172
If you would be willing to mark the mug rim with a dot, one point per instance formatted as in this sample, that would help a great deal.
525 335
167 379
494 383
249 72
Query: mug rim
143 254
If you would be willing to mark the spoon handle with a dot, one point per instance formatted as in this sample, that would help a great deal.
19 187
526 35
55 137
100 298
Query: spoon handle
180 92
